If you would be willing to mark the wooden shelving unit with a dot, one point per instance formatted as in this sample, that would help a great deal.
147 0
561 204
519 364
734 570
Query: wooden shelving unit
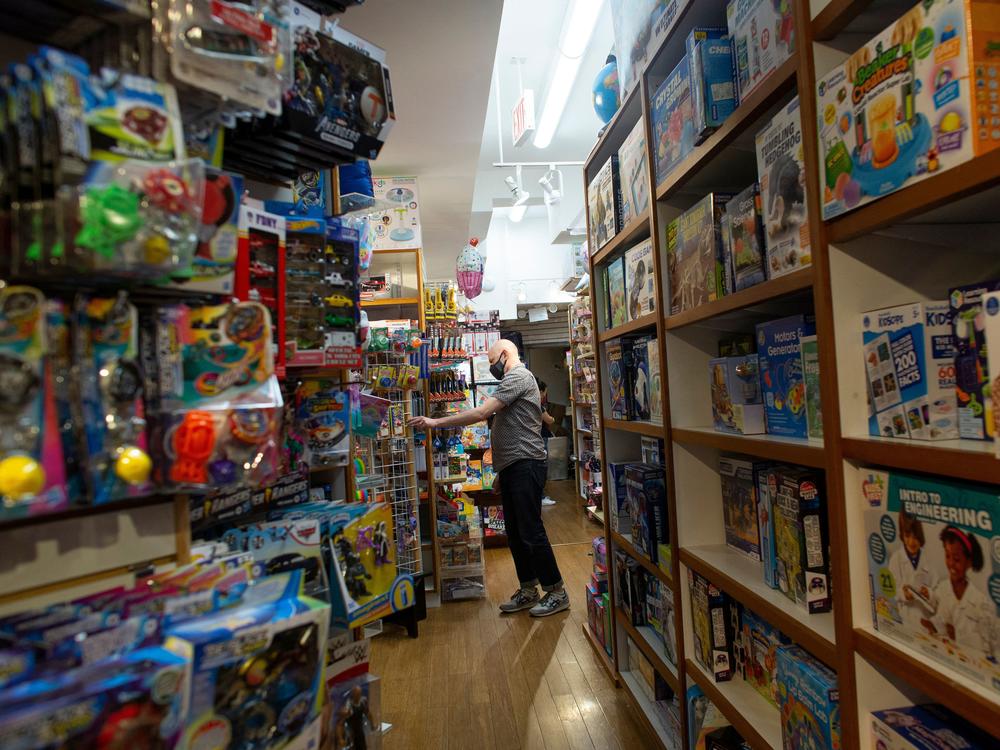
865 260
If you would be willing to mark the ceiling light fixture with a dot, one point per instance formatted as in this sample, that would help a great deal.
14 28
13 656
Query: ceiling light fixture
520 196
552 184
522 293
578 28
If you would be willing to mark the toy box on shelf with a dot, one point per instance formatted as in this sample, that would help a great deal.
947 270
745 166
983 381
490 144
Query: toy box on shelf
782 177
673 121
645 391
323 419
763 37
713 82
766 487
945 605
781 377
808 701
260 270
640 280
695 258
976 413
802 555
604 204
909 357
737 405
745 264
809 351
617 310
647 497
924 727
619 354
902 108
712 626
639 27
634 177
739 505
355 705
757 654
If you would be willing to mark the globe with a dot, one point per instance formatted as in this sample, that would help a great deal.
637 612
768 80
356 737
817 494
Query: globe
606 96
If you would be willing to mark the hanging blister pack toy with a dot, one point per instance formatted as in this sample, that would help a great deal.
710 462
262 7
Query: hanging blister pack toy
107 348
32 478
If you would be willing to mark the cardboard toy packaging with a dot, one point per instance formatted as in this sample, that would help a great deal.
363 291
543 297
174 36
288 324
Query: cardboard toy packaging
909 354
737 406
655 399
759 643
933 565
781 379
642 392
711 621
604 205
621 512
620 378
902 108
640 280
672 114
647 494
809 351
739 505
972 373
926 727
713 78
808 701
695 258
991 310
617 307
763 37
800 539
745 263
766 487
633 174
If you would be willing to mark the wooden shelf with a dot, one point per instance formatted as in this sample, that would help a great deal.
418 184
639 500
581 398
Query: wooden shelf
835 16
790 450
779 287
602 655
641 428
754 718
741 578
973 460
649 643
625 543
949 186
85 511
391 302
637 229
633 326
777 85
452 479
647 709
932 678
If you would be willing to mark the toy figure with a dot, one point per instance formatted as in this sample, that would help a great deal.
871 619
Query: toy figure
380 542
358 719
354 570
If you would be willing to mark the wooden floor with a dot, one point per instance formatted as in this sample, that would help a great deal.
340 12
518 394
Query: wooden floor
477 680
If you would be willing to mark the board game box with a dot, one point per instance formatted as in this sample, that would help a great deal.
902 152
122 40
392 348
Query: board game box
781 380
640 280
619 355
758 647
765 521
695 258
991 310
655 400
800 539
621 512
763 37
713 83
672 114
711 621
926 727
972 374
781 172
745 260
933 564
739 505
617 307
809 351
647 495
633 174
909 354
737 406
642 391
808 701
901 108
604 205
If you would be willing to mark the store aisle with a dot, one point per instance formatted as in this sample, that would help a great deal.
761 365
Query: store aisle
475 680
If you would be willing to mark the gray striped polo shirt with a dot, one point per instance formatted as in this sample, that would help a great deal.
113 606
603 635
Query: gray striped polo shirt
517 428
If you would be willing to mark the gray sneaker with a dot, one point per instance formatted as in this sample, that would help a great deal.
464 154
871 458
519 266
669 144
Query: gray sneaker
522 599
552 602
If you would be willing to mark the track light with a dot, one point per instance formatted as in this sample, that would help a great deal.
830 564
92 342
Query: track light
551 183
519 195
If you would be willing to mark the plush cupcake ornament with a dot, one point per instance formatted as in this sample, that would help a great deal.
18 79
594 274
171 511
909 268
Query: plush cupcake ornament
469 268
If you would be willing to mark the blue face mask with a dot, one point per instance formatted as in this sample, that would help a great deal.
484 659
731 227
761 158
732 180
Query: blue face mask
498 367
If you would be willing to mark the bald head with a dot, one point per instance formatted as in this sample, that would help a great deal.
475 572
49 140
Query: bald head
508 350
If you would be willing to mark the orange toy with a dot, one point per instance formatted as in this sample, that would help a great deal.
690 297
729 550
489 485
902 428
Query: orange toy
194 442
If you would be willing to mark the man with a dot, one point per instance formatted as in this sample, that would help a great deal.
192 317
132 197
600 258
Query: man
520 463
547 421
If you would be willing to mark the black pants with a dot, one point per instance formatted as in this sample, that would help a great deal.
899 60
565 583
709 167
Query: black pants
521 487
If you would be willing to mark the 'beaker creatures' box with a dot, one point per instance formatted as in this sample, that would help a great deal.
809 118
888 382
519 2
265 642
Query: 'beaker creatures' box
972 373
909 354
781 377
902 107
933 564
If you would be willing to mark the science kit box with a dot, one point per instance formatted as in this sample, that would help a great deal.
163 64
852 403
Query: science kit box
713 79
640 281
745 262
647 495
972 374
604 205
947 605
926 727
712 625
695 259
901 108
766 487
739 505
642 385
653 363
809 350
763 37
621 512
909 356
991 309
758 643
640 26
808 701
783 197
633 174
781 379
672 114
737 405
617 309
619 355
800 538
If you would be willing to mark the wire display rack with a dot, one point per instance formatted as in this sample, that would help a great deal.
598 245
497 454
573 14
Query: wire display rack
391 455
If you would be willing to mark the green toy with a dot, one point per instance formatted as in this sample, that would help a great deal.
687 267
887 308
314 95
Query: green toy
110 217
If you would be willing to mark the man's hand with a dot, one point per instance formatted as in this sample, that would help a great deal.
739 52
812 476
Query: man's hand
422 423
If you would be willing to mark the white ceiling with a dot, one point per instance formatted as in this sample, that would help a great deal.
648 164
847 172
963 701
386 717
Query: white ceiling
440 55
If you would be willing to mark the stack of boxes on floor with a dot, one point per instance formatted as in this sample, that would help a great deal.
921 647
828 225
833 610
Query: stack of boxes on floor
598 609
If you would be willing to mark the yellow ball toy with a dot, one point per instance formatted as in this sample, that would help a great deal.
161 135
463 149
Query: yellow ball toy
133 465
21 476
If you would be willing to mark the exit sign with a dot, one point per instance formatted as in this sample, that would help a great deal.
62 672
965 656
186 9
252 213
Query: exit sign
523 117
